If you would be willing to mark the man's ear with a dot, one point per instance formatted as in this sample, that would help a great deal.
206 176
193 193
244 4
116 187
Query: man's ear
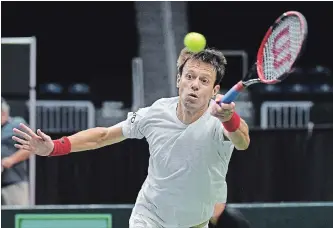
216 90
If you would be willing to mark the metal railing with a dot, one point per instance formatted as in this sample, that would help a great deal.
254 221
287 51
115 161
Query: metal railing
285 114
64 116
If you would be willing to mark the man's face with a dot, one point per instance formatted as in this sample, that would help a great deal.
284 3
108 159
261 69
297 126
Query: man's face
4 117
196 84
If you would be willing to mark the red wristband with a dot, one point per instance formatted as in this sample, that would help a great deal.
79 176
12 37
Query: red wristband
61 147
233 124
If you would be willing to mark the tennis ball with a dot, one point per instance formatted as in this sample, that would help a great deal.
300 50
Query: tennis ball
195 42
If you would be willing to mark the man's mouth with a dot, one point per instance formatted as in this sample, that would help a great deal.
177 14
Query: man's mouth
193 95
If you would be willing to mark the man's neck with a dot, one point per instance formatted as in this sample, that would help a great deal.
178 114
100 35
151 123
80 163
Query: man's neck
188 116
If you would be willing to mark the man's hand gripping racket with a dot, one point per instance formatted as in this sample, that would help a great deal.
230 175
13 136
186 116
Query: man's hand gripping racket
280 48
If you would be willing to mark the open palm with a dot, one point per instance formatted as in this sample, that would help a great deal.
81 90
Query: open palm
40 143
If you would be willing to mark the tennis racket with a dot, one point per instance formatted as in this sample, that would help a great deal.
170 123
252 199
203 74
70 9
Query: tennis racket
279 50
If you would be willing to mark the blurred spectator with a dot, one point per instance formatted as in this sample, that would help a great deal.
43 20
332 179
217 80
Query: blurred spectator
14 167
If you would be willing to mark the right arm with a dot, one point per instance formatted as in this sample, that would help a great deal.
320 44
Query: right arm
99 137
96 138
93 138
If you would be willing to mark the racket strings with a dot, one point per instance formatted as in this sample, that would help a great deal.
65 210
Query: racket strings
282 47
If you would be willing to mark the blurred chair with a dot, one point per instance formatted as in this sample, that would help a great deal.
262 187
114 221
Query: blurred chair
79 88
297 88
79 91
321 80
323 88
51 88
271 89
320 72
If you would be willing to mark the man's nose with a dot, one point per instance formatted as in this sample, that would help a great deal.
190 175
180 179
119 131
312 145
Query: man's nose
195 85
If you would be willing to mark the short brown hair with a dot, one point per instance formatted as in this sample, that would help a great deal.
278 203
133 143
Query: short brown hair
209 55
183 56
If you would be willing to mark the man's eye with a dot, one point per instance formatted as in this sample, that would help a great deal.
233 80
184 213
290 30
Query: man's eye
205 81
189 76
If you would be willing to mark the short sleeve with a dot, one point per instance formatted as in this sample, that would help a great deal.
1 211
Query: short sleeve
132 126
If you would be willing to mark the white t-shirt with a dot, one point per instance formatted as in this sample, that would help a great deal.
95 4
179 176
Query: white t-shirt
187 165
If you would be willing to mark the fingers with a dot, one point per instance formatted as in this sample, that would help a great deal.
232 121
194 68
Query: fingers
224 105
218 108
223 111
218 98
228 106
19 140
28 135
28 130
42 135
18 146
24 147
22 134
214 109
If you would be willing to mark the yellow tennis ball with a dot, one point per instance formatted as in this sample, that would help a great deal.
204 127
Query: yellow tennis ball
195 42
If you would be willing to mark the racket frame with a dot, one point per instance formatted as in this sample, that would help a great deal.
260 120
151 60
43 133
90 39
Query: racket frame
232 94
303 22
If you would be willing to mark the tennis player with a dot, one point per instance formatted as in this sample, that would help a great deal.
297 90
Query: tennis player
223 216
191 139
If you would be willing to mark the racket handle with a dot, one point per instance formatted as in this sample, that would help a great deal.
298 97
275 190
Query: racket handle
232 94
